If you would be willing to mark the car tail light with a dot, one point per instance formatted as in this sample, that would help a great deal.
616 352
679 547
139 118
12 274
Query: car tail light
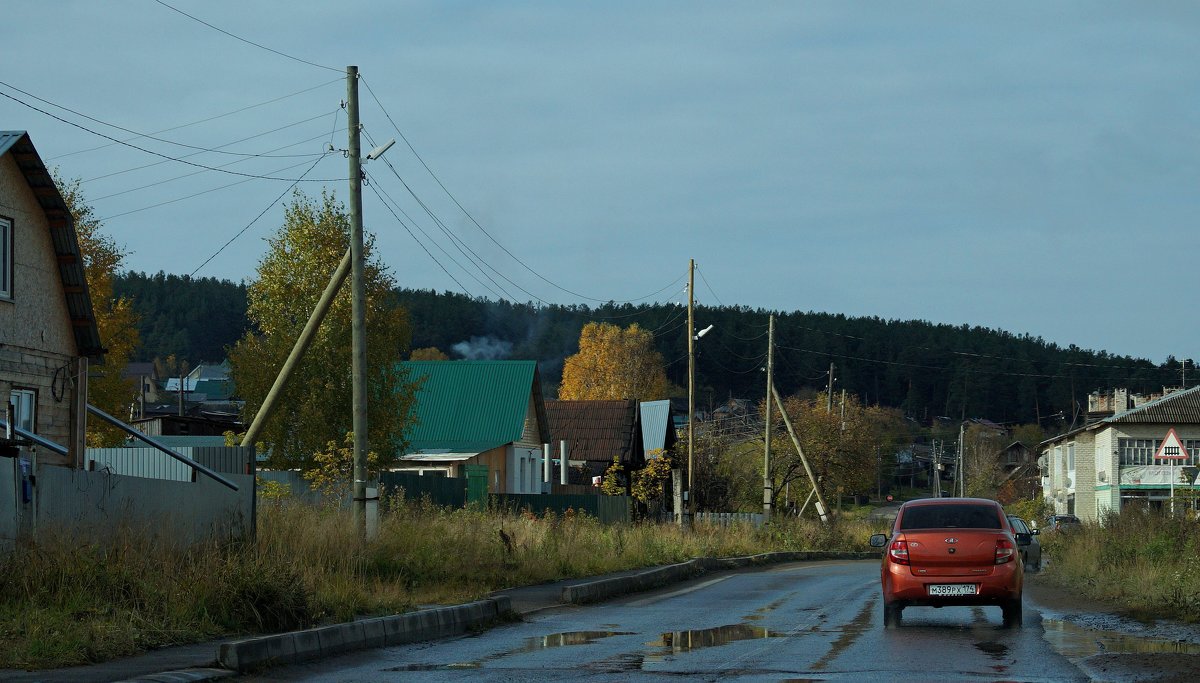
1005 550
899 552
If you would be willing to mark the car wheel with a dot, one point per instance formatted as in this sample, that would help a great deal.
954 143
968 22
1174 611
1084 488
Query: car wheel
1012 613
892 614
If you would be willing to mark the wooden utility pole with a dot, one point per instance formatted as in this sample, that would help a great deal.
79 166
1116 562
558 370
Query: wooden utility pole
691 430
358 308
768 485
962 475
821 509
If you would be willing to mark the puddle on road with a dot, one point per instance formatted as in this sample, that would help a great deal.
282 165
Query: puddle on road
565 639
686 641
1075 642
993 649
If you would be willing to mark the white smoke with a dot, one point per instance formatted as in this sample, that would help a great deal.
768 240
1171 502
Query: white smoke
483 348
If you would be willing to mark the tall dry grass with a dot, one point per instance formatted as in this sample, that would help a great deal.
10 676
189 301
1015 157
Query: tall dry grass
63 602
1142 560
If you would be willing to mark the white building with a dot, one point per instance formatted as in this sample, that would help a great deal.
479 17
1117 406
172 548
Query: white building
1105 465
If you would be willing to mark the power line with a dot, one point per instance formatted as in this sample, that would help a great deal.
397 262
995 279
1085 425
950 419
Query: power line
244 40
188 156
204 120
260 215
195 173
166 156
710 289
419 243
138 135
475 222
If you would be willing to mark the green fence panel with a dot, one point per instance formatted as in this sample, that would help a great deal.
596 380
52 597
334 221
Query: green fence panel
607 509
477 483
446 491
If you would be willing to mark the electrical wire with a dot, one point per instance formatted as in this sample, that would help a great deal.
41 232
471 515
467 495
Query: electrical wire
244 40
476 223
419 243
204 120
710 289
165 156
188 156
147 136
195 173
255 220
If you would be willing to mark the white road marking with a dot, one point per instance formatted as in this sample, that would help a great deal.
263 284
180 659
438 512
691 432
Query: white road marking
684 591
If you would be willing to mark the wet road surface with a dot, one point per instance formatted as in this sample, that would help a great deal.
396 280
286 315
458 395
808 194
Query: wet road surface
796 622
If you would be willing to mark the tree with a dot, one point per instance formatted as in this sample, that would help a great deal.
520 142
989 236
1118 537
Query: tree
115 319
316 407
982 473
428 353
614 363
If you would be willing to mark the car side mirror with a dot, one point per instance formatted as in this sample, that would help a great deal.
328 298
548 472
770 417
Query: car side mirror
1024 539
878 540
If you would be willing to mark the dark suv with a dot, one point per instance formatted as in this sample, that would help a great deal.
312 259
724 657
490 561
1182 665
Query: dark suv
1062 523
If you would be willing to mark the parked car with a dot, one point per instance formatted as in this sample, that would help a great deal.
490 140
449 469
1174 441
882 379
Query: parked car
1027 543
1062 523
950 551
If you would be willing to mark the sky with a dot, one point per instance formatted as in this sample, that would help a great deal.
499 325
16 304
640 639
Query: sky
1025 166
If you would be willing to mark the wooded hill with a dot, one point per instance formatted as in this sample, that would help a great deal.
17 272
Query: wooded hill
927 370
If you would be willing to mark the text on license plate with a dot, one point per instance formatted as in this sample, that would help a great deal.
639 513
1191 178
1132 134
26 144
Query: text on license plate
952 589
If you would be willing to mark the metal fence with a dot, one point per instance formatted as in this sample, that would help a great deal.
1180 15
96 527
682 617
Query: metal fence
730 518
607 509
445 491
150 463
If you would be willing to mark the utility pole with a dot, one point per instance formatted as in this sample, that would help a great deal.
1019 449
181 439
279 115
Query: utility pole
691 431
358 309
829 391
933 466
768 485
822 510
962 475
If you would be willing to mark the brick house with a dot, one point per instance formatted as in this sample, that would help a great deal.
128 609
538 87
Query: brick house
47 327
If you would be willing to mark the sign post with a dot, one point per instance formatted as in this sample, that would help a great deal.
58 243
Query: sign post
1172 449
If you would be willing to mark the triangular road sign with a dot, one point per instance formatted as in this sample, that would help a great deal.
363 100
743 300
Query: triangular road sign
1171 448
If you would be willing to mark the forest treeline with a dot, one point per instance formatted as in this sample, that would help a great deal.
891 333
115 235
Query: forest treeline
925 369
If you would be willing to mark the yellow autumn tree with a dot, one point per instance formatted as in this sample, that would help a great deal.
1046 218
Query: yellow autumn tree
115 318
614 363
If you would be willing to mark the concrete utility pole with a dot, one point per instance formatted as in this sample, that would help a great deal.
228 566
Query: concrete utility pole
768 485
358 308
933 466
962 475
691 430
829 391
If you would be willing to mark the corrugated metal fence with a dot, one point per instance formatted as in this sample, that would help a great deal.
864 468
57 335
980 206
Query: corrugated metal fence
608 509
151 463
730 518
446 491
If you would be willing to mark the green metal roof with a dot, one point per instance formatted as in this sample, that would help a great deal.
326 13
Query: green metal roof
473 405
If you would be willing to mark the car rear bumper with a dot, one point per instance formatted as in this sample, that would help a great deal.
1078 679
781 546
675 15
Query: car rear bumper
901 586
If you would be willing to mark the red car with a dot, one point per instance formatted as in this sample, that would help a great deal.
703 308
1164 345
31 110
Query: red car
950 551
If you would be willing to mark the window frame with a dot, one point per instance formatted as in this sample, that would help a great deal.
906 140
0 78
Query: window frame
18 420
8 257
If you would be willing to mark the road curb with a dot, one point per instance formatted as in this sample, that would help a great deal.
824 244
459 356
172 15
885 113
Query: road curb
298 646
603 589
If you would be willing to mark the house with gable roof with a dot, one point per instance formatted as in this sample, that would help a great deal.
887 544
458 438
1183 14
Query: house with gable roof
598 431
48 330
1103 466
478 412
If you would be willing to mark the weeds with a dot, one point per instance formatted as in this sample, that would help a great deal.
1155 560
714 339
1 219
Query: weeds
62 603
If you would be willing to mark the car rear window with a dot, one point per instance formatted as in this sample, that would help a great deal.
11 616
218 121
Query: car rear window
957 516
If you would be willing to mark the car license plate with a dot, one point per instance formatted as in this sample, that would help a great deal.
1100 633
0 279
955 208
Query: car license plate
952 589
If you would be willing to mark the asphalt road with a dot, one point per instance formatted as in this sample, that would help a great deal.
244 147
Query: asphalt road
794 622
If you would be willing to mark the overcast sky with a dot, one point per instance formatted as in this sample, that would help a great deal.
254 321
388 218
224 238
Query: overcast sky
1031 167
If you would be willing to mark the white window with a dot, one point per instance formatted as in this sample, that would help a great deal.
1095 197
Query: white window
1070 457
6 258
25 409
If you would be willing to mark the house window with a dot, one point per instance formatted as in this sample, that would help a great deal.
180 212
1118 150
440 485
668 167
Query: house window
1135 452
6 258
25 409
1070 457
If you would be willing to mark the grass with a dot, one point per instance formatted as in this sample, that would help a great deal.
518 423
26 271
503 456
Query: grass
1143 561
64 603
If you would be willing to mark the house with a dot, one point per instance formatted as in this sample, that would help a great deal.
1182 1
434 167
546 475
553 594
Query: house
48 331
144 377
1105 465
658 428
598 431
479 412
